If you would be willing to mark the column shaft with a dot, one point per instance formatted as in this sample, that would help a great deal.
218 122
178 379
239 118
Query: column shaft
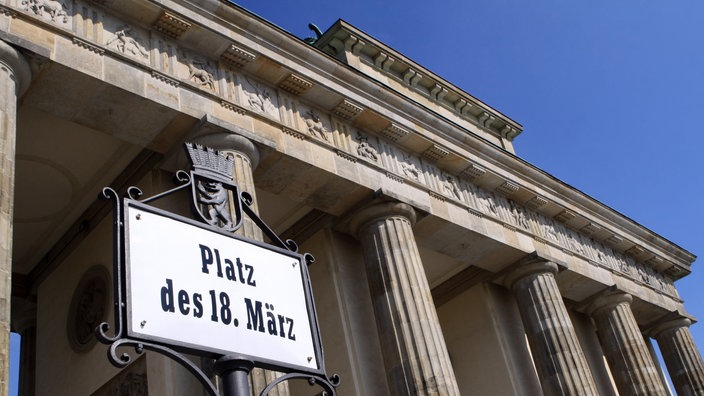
628 356
413 347
246 158
559 359
682 358
14 72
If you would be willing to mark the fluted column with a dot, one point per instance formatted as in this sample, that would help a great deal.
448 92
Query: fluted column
559 359
14 77
622 342
682 358
246 159
415 356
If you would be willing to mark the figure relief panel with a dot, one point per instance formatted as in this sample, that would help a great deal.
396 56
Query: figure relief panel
126 40
315 123
259 98
198 71
450 186
486 203
57 12
519 216
548 230
403 164
574 242
366 147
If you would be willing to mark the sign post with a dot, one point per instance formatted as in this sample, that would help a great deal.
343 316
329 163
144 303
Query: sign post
185 285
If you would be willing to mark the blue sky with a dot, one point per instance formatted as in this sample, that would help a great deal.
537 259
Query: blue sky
609 92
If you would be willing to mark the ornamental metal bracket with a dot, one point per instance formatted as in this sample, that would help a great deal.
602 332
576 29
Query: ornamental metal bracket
219 208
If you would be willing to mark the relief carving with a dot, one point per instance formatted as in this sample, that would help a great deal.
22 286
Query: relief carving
408 168
548 229
315 125
48 9
519 215
487 203
365 149
450 187
259 98
574 243
88 308
126 43
199 74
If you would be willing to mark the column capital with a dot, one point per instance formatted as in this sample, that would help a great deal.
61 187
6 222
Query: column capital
378 211
224 141
528 266
607 299
671 322
14 61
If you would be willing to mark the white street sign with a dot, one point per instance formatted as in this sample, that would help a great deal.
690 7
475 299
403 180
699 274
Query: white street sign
198 289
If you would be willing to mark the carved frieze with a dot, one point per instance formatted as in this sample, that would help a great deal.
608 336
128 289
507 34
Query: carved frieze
200 72
240 93
450 187
315 126
259 98
49 10
366 149
128 41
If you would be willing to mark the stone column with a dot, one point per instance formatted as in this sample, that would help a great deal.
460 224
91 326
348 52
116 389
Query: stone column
559 359
683 361
413 348
246 159
623 345
14 78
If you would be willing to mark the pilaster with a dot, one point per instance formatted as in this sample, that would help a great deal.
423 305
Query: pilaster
14 78
681 356
559 359
414 351
623 345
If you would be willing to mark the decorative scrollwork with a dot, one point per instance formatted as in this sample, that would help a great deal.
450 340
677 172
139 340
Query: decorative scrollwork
309 258
243 202
134 193
328 384
122 360
246 198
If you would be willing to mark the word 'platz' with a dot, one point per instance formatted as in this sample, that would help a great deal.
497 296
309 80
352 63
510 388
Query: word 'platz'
260 315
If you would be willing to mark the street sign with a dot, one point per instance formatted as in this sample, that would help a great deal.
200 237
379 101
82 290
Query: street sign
212 293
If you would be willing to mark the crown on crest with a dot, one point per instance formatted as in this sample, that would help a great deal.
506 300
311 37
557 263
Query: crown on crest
210 161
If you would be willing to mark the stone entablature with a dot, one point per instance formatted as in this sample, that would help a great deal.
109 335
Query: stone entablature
381 145
378 61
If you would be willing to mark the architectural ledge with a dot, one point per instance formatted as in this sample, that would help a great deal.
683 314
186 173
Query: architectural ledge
356 48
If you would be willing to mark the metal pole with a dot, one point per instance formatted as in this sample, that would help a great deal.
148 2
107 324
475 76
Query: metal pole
234 371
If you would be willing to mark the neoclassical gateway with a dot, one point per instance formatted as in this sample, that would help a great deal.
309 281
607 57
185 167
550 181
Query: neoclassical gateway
445 264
